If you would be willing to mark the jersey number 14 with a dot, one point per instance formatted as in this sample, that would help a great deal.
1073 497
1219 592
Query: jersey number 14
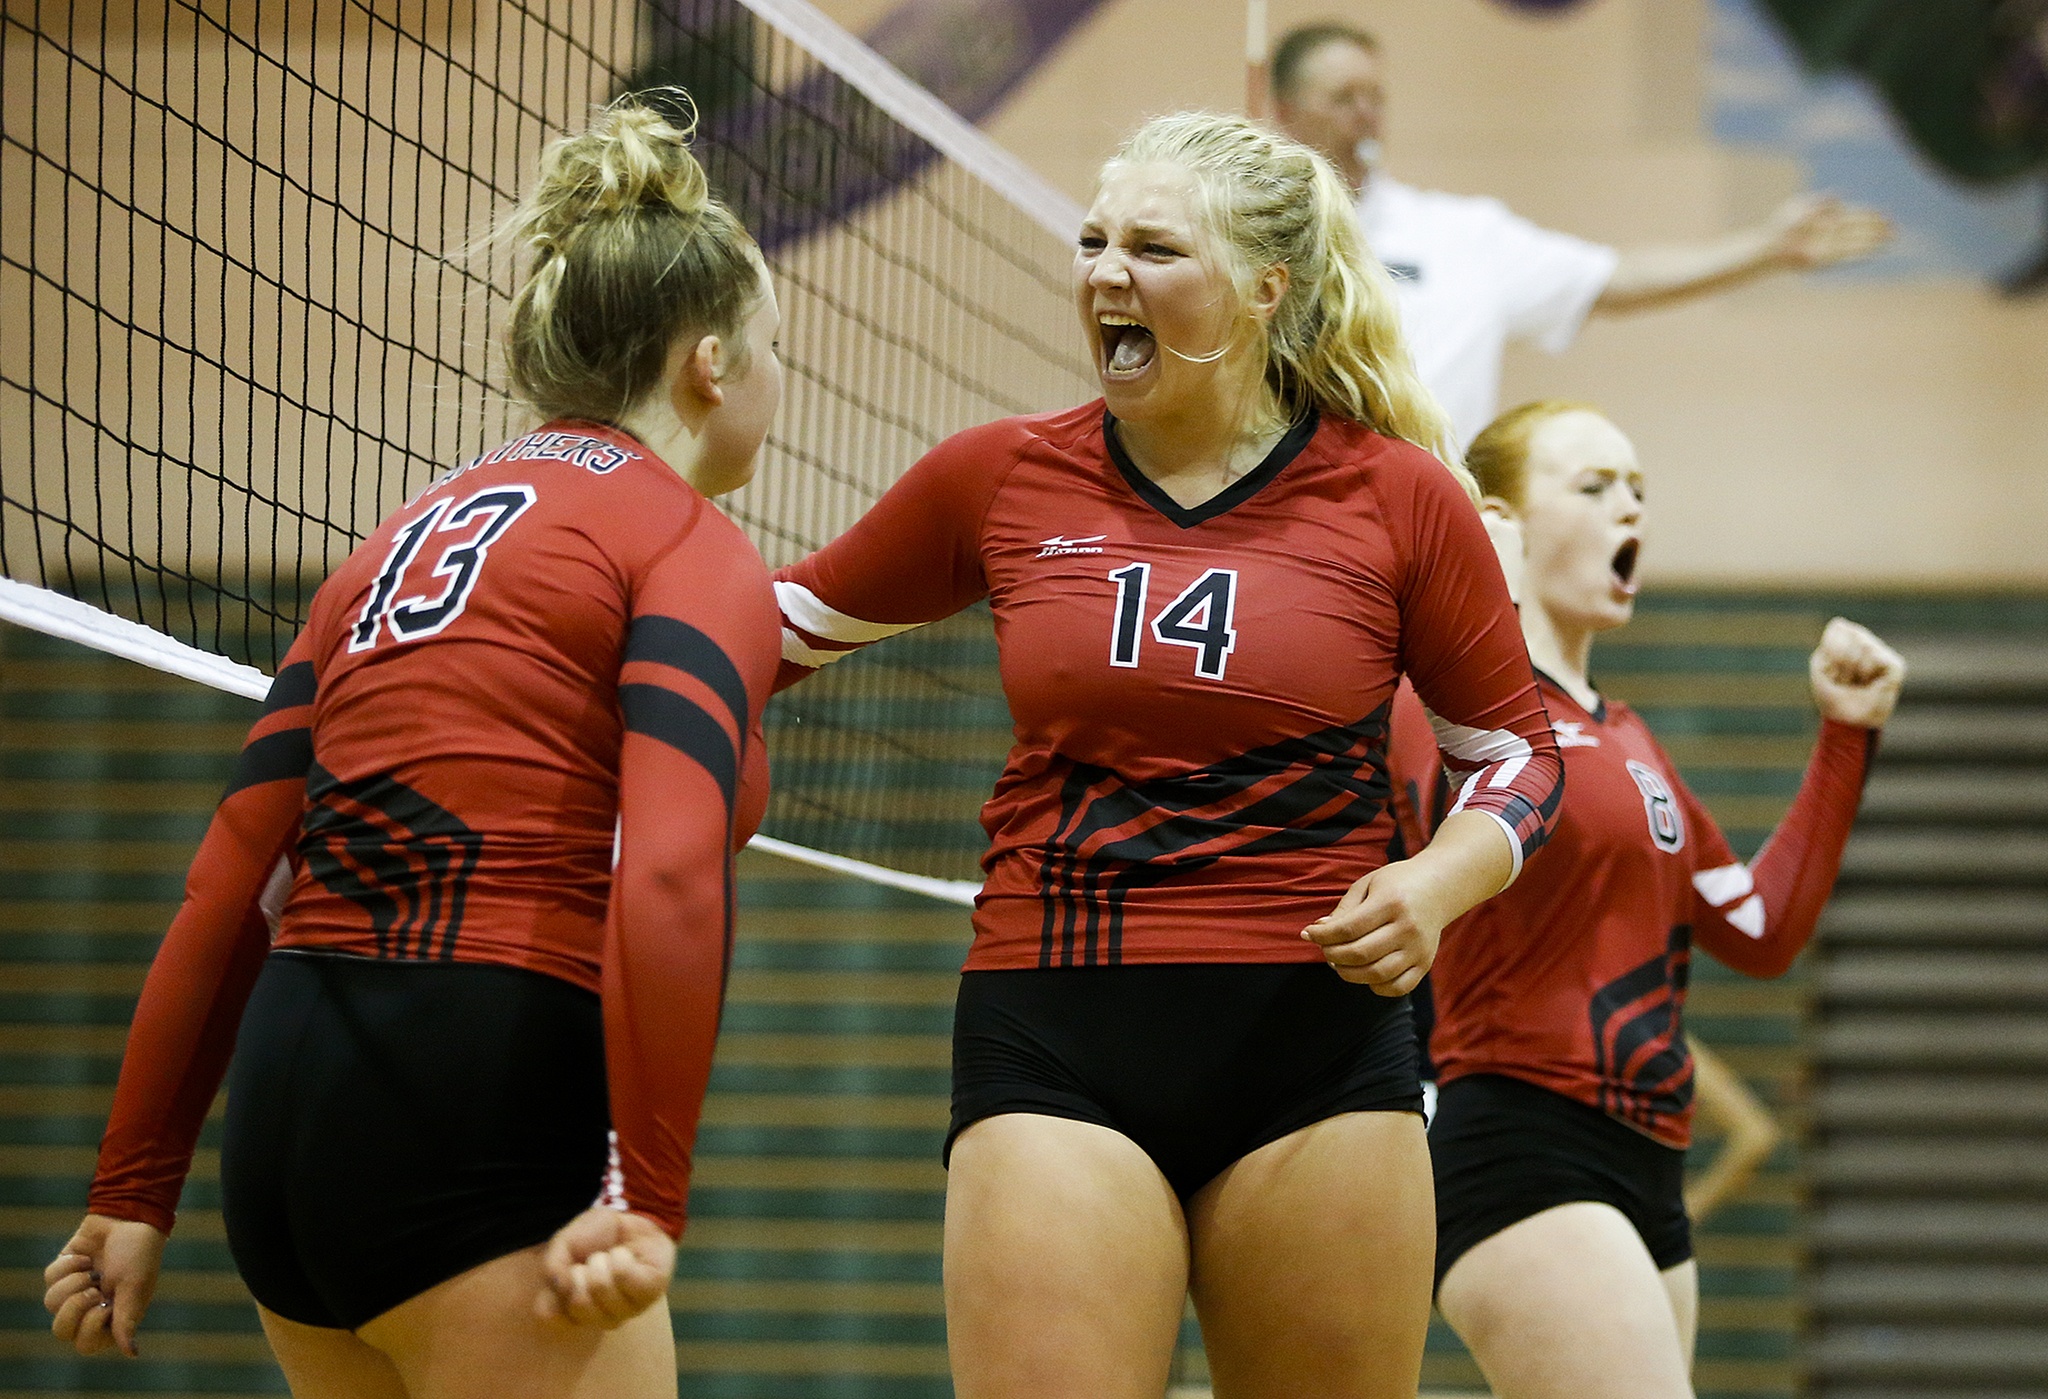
1199 619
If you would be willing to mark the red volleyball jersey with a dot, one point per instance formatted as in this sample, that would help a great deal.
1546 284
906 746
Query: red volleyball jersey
1200 694
557 652
1575 979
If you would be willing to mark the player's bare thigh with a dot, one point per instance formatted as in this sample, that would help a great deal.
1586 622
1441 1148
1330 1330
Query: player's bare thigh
322 1362
1313 1259
1568 1304
1065 1263
476 1336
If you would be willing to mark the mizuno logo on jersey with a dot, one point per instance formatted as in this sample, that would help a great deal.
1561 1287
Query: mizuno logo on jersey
1091 544
1572 734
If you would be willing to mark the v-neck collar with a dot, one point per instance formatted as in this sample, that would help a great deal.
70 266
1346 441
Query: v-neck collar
1598 711
1231 496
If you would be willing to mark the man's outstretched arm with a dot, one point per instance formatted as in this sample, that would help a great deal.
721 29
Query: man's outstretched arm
1807 232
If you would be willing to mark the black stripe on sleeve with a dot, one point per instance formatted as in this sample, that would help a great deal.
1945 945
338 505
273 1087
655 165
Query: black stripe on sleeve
288 753
667 717
295 685
669 642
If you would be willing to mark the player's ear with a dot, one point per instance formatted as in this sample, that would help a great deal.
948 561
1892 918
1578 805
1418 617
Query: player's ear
1499 508
700 372
1268 291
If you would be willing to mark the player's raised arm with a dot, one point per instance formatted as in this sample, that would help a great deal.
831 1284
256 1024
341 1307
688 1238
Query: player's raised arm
1757 916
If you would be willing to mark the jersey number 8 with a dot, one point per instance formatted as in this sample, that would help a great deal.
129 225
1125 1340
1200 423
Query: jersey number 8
1199 619
461 564
1667 826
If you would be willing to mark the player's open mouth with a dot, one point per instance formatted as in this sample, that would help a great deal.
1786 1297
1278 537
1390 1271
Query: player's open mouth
1127 347
1624 566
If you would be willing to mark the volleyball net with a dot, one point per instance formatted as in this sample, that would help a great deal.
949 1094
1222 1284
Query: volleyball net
241 330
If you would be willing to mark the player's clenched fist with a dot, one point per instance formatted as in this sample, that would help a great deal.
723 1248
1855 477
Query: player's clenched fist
98 1288
1383 932
1856 677
605 1267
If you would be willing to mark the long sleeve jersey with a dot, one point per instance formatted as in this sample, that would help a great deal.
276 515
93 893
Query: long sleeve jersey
1575 979
558 647
1200 694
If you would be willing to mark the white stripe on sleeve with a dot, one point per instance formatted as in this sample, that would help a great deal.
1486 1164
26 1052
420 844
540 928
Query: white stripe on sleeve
805 609
1514 848
1724 885
1748 916
1484 746
797 651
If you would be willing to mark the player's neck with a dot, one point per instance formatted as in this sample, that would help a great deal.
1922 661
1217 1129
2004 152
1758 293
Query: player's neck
1194 457
655 425
1562 651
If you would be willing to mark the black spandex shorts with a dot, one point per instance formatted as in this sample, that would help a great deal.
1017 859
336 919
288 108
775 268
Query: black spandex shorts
1199 1064
1504 1150
392 1124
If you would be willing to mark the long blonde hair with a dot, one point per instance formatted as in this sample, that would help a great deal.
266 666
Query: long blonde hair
629 251
1334 342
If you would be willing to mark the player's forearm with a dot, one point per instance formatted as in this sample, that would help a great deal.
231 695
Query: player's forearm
1470 860
1668 274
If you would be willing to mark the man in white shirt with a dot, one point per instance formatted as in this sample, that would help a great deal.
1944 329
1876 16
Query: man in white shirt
1471 273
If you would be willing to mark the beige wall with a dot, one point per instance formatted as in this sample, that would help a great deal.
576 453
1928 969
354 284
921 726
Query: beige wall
1857 432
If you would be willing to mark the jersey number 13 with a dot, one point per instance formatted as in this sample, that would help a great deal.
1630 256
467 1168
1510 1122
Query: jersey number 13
478 520
1199 619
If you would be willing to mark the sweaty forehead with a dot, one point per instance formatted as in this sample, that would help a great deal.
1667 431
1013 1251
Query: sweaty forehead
1581 441
1152 197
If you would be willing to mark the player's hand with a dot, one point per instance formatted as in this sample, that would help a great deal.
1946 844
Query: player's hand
1817 230
1856 677
98 1288
1508 547
1383 932
605 1267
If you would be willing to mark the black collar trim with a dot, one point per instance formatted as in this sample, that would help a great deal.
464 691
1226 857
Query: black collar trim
1231 496
1598 711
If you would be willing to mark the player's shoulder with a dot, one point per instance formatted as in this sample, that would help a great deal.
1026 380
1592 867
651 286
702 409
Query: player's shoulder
981 458
1629 727
1385 464
1063 430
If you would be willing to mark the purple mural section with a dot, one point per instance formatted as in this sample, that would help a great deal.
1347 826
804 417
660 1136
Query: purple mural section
971 54
794 160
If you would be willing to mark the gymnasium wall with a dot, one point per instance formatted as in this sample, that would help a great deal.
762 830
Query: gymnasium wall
1883 429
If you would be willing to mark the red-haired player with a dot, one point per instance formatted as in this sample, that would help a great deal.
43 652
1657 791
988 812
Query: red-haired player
1564 1254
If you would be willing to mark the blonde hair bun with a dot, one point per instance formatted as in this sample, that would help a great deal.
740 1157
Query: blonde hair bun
630 249
632 156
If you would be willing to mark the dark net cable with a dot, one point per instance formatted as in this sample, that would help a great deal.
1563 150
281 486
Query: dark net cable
239 334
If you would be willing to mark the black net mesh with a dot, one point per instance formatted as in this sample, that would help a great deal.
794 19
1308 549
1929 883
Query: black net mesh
238 332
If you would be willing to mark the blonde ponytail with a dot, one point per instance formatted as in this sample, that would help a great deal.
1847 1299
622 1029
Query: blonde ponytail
629 251
1334 342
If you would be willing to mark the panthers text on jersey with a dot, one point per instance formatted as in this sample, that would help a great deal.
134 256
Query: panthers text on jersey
1575 979
560 650
1200 694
